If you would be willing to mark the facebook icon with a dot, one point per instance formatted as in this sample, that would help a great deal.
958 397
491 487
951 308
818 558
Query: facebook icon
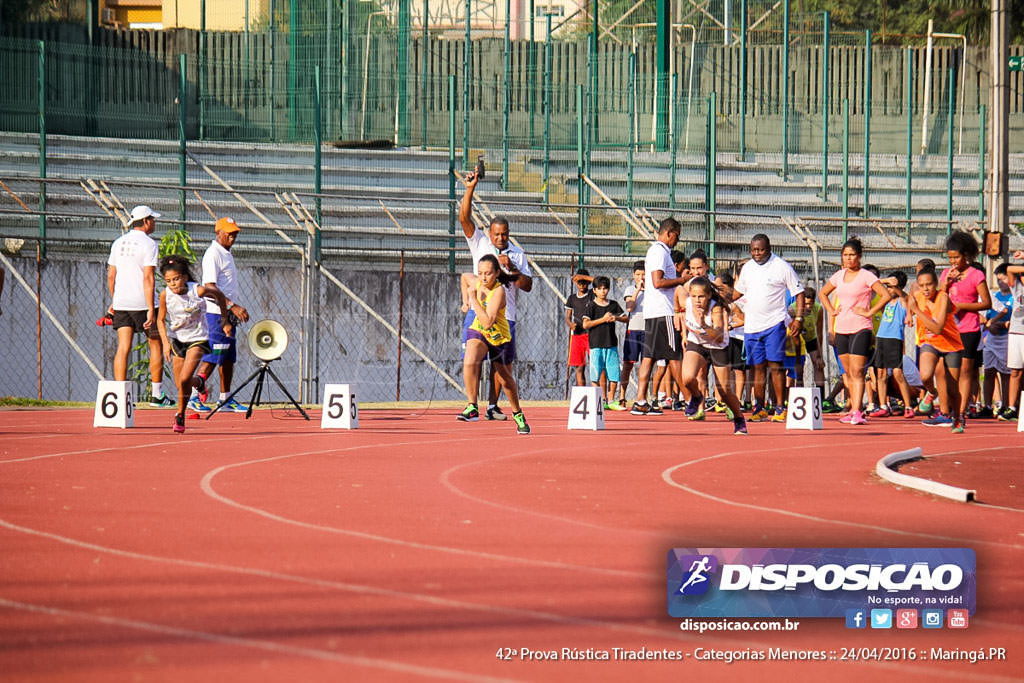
856 618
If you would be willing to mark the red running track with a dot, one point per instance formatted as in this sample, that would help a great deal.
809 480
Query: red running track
416 547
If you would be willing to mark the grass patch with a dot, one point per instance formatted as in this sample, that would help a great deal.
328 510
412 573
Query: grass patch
24 402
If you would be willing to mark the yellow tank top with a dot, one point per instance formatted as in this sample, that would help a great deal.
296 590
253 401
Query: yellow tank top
498 333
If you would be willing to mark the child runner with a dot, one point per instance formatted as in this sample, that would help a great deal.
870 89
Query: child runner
633 344
854 286
1015 342
599 320
737 360
184 331
993 341
489 335
941 349
889 346
811 332
707 340
575 305
967 289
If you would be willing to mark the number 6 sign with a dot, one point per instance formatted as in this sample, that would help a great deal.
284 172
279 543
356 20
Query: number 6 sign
114 405
804 409
340 409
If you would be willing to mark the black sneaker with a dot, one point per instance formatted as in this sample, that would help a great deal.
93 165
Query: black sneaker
677 405
655 410
469 414
739 426
494 413
1007 414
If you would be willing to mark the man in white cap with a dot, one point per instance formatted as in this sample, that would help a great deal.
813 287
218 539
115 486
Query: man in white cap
219 270
130 278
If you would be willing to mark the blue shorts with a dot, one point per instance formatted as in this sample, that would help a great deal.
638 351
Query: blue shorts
222 347
606 359
791 363
633 346
509 353
766 346
835 353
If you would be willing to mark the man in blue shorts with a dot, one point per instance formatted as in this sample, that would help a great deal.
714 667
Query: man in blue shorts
765 279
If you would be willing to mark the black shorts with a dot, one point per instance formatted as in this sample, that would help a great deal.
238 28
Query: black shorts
737 361
661 339
811 345
888 353
180 348
857 344
136 320
718 358
972 342
952 359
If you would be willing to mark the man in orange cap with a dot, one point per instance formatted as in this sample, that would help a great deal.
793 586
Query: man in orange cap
219 270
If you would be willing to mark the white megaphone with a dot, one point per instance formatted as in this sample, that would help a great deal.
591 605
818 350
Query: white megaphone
268 340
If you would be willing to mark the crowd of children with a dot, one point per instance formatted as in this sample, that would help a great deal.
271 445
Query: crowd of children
965 360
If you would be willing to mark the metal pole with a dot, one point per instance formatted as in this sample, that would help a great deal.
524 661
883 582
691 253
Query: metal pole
867 123
673 161
272 76
293 57
201 81
424 61
981 166
846 168
712 172
743 79
318 140
998 213
579 172
531 71
246 74
949 152
182 112
451 173
401 310
785 89
664 22
825 58
41 76
592 130
908 102
402 95
927 87
629 150
467 56
506 104
547 112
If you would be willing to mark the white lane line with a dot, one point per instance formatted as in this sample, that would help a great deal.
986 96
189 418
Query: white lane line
177 441
206 484
265 645
668 474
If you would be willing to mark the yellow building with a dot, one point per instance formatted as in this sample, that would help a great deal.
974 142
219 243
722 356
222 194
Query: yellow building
221 15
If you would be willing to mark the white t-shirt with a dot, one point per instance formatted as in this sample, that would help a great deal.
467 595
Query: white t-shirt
129 254
765 287
707 323
658 303
186 319
636 318
480 245
219 268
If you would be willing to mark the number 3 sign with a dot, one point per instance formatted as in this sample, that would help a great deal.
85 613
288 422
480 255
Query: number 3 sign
340 409
114 405
804 409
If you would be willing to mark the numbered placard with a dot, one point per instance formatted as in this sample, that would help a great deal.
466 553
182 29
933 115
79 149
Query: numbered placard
340 408
115 405
804 409
586 408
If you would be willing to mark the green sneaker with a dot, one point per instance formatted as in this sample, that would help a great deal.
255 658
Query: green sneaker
697 416
520 420
469 413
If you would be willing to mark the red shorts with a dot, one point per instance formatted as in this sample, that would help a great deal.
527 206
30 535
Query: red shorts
579 347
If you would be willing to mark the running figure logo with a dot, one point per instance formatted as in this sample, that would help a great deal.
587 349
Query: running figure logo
695 580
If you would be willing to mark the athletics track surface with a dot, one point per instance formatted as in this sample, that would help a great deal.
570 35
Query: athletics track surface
417 546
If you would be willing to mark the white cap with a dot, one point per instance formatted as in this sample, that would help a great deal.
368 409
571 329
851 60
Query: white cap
140 212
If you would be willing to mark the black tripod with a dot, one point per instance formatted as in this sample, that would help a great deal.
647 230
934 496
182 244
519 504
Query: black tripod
260 375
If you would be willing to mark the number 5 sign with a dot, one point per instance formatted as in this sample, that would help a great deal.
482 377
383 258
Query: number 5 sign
340 409
114 405
586 408
804 409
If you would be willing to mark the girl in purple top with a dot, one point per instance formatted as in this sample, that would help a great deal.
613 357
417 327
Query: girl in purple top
852 313
967 288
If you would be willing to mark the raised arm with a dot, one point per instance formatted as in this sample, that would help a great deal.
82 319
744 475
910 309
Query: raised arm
466 207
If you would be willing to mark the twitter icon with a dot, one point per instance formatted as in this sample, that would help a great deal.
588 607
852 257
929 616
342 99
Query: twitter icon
881 618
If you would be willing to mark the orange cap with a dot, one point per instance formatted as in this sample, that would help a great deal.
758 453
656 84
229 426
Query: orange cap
226 225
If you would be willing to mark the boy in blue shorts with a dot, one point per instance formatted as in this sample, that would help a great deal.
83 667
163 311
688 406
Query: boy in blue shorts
599 320
889 347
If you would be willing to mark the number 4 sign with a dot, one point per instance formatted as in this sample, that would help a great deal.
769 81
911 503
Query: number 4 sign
114 405
586 408
340 409
804 409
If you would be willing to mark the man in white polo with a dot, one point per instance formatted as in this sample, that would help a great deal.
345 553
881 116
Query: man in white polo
662 339
219 270
765 280
131 276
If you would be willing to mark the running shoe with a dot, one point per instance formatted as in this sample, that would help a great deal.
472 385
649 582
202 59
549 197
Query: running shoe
746 406
720 407
925 406
881 412
694 404
614 405
937 420
1007 414
830 407
855 417
179 423
520 420
958 426
739 426
667 403
655 410
677 405
494 413
232 406
163 401
780 414
709 403
640 409
984 414
759 415
697 416
469 413
198 406
908 413
728 413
